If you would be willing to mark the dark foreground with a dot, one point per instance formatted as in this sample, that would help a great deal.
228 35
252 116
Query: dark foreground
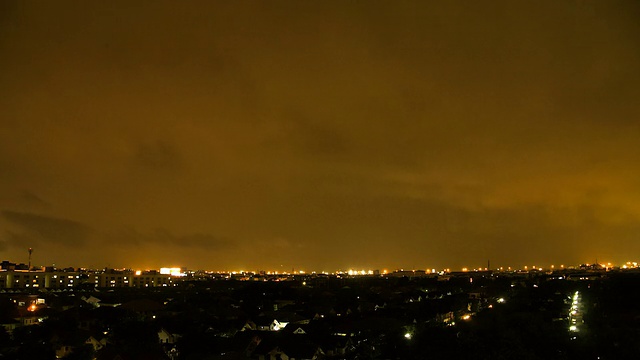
468 316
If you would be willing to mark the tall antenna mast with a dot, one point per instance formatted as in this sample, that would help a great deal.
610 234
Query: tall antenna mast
30 252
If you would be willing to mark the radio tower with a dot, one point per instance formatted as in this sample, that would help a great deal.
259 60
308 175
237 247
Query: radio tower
30 252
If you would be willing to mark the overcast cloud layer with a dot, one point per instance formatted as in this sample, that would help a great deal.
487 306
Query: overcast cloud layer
319 135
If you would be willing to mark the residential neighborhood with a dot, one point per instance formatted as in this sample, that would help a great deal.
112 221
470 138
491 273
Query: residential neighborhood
477 314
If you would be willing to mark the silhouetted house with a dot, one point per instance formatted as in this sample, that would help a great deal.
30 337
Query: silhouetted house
145 309
264 323
324 311
299 331
92 300
104 316
27 317
66 340
63 351
287 347
167 337
84 317
114 353
95 343
9 324
366 307
343 310
445 317
336 346
344 328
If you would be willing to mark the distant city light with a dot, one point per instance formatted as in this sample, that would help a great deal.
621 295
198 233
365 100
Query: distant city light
171 271
352 272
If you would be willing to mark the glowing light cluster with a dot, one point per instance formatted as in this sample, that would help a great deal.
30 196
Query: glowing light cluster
171 271
574 313
361 272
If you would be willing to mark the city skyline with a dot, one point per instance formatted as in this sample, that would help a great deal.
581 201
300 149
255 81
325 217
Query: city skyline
327 135
175 268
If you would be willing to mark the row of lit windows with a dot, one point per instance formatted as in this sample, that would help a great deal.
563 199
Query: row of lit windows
27 277
68 281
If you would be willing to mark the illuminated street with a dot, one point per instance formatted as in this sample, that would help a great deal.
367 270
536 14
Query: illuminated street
575 314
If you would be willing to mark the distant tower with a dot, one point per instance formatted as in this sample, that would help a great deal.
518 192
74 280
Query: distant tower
30 252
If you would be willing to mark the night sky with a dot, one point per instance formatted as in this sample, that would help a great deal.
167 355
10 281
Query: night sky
319 135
